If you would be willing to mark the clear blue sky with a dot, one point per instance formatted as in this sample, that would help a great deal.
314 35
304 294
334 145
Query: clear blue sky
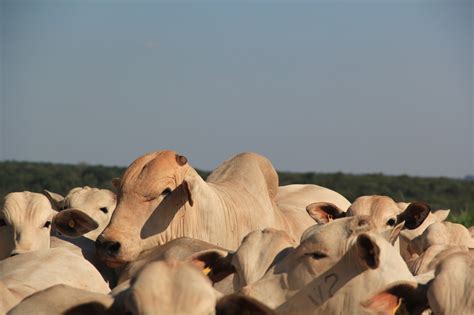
351 86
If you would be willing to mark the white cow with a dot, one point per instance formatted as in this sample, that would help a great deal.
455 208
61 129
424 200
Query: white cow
99 204
452 290
161 197
369 266
443 233
161 287
30 272
321 247
388 217
27 218
25 223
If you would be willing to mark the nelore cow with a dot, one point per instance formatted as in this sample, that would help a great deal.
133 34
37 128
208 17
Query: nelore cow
161 197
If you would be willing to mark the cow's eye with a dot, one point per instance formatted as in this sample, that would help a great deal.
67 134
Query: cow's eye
104 209
166 192
391 222
317 255
2 222
47 224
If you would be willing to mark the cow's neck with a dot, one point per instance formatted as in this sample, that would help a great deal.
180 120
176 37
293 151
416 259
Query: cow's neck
184 219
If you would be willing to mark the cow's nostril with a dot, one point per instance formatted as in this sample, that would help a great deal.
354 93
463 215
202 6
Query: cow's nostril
112 248
14 254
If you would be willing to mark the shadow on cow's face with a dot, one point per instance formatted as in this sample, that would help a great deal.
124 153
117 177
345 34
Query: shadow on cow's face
163 215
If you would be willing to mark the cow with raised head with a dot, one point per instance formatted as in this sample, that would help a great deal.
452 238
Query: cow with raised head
161 197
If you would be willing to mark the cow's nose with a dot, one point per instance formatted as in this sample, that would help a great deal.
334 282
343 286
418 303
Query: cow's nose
111 248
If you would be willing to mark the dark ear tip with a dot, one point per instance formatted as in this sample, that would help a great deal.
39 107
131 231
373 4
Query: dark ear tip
415 214
369 251
422 204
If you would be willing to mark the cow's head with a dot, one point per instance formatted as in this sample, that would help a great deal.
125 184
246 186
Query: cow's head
26 220
387 214
151 193
322 245
170 287
25 223
98 204
388 217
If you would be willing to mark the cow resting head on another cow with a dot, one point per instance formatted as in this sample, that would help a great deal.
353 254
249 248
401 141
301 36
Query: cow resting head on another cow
161 197
27 218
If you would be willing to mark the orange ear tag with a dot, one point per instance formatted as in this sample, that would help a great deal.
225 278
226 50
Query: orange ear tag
206 270
71 223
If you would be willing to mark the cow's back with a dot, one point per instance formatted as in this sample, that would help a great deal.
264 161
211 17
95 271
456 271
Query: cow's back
247 171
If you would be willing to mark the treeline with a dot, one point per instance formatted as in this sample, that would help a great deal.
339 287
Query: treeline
440 193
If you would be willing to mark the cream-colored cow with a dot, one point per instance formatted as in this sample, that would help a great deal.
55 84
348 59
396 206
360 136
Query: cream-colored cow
438 241
161 197
321 247
443 233
430 258
26 220
30 272
259 251
25 223
161 287
182 249
451 291
336 267
229 271
369 266
389 218
406 236
99 204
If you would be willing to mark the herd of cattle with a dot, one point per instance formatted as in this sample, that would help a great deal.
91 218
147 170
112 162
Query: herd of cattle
168 242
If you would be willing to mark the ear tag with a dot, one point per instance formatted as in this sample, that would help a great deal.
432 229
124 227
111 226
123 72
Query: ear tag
206 270
71 223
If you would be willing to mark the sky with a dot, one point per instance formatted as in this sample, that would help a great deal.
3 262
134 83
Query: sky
326 86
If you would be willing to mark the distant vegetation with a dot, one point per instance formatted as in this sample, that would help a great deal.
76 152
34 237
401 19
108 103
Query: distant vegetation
440 193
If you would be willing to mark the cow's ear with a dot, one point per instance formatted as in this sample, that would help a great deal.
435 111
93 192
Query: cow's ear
188 190
441 215
56 200
414 214
324 212
74 223
216 264
116 182
368 251
236 304
191 186
395 233
408 298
